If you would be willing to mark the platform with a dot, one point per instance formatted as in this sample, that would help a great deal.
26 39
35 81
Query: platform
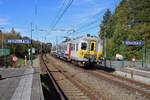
20 84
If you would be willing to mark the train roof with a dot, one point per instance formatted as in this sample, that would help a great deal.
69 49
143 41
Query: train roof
81 38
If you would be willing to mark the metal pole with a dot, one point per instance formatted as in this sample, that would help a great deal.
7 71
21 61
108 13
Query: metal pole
2 44
31 46
56 43
2 40
144 48
123 55
143 57
105 49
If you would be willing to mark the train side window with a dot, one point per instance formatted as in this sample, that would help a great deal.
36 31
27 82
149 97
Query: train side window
83 46
76 47
92 47
72 47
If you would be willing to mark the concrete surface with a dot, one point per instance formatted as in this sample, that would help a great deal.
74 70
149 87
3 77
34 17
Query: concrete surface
21 83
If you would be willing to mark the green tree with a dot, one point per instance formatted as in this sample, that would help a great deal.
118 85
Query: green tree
13 31
105 26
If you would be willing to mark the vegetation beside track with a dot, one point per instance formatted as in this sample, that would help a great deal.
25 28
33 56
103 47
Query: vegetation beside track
49 91
20 50
130 21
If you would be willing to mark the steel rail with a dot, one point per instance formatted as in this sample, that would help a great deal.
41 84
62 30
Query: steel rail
85 89
58 89
142 88
119 81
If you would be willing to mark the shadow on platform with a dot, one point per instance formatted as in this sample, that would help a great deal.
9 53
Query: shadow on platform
2 78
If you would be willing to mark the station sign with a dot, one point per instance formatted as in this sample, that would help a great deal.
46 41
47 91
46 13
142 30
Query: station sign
134 43
4 52
18 41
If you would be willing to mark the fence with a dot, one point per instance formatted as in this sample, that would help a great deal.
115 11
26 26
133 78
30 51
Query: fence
121 64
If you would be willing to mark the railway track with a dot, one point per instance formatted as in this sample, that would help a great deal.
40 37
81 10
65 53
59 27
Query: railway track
66 86
58 89
133 87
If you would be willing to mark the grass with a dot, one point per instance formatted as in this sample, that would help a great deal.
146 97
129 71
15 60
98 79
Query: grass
20 62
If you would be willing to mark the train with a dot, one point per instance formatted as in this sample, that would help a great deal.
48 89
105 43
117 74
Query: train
83 50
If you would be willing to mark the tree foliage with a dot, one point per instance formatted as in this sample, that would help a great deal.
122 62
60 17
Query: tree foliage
20 50
130 21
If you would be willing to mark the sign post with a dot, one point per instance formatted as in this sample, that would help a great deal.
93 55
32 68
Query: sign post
147 53
14 59
31 46
137 43
123 55
143 57
18 41
134 43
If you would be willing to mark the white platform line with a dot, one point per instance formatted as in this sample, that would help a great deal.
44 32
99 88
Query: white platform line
135 77
23 91
139 70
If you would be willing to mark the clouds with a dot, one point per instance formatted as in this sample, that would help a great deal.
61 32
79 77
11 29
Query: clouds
4 21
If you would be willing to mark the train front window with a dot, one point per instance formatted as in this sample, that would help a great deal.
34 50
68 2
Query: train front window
83 46
92 47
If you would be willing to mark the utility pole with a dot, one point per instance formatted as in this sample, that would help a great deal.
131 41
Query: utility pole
74 29
145 50
56 43
45 45
105 49
3 46
31 45
2 40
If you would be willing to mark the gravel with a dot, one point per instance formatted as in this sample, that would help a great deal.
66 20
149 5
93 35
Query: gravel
107 90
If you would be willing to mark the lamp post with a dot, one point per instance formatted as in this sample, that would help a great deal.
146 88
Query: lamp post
105 55
31 46
2 39
3 45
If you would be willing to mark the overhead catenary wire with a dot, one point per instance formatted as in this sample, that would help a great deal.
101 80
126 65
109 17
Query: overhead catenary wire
59 11
96 15
87 25
61 14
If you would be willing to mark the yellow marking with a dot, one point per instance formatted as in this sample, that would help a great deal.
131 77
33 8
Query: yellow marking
92 52
99 54
81 53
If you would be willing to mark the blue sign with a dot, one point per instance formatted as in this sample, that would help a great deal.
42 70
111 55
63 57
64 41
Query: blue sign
18 41
134 43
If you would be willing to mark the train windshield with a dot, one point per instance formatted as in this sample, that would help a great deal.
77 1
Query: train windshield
92 47
83 46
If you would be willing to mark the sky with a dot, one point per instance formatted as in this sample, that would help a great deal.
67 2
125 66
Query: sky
84 16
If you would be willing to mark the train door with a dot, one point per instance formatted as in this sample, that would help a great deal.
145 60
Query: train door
92 47
69 55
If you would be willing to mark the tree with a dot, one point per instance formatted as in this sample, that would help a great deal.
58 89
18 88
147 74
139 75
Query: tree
139 13
13 31
105 26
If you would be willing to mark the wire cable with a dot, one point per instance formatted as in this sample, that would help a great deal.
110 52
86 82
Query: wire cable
62 13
